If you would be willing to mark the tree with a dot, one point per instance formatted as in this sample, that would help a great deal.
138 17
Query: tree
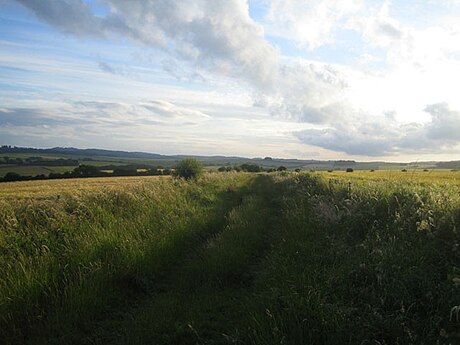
12 176
189 168
250 167
281 168
86 171
349 170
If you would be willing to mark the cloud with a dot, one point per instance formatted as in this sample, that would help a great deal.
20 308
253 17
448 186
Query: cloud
169 110
218 34
173 68
309 23
386 136
35 117
104 66
101 113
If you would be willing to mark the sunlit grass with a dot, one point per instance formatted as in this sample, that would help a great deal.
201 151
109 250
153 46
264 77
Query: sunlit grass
413 176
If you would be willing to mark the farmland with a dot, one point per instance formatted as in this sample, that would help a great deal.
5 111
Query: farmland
280 258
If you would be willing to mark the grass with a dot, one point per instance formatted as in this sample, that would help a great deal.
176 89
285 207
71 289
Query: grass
285 258
437 176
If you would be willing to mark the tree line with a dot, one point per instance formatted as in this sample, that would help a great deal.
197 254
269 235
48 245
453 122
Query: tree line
83 171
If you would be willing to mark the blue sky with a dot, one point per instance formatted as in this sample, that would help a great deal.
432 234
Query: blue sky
332 79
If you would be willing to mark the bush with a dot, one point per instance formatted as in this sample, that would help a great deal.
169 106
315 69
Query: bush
189 168
249 167
12 176
349 170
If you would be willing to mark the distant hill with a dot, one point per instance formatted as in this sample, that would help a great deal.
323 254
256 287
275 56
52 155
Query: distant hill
82 152
106 157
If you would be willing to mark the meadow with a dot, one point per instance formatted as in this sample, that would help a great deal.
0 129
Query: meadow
232 258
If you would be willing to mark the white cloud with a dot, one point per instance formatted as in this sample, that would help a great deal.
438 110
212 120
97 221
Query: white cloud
218 34
309 23
385 136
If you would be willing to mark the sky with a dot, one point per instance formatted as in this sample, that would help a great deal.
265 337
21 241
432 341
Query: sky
307 79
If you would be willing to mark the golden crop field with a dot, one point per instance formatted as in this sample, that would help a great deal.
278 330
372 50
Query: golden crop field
412 176
49 188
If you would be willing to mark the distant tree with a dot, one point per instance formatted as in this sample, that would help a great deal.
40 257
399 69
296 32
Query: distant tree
189 168
281 168
404 170
12 176
349 170
298 170
222 169
250 167
86 171
268 158
124 171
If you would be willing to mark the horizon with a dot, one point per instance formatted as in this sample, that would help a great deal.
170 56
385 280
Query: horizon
362 80
224 156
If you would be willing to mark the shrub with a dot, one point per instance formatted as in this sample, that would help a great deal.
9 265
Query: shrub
249 167
189 168
349 170
12 176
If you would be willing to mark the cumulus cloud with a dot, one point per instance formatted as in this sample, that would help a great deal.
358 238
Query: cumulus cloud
386 136
218 34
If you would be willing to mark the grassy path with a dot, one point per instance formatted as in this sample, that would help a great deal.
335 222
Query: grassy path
200 301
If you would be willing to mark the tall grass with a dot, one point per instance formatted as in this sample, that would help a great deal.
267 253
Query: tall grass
67 260
234 258
372 262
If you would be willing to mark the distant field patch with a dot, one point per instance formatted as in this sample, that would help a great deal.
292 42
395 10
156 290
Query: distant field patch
30 170
47 188
416 176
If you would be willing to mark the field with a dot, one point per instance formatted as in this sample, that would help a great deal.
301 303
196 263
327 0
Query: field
232 258
437 176
28 170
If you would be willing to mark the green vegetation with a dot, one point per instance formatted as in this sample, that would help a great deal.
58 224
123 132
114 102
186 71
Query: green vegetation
189 168
285 258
